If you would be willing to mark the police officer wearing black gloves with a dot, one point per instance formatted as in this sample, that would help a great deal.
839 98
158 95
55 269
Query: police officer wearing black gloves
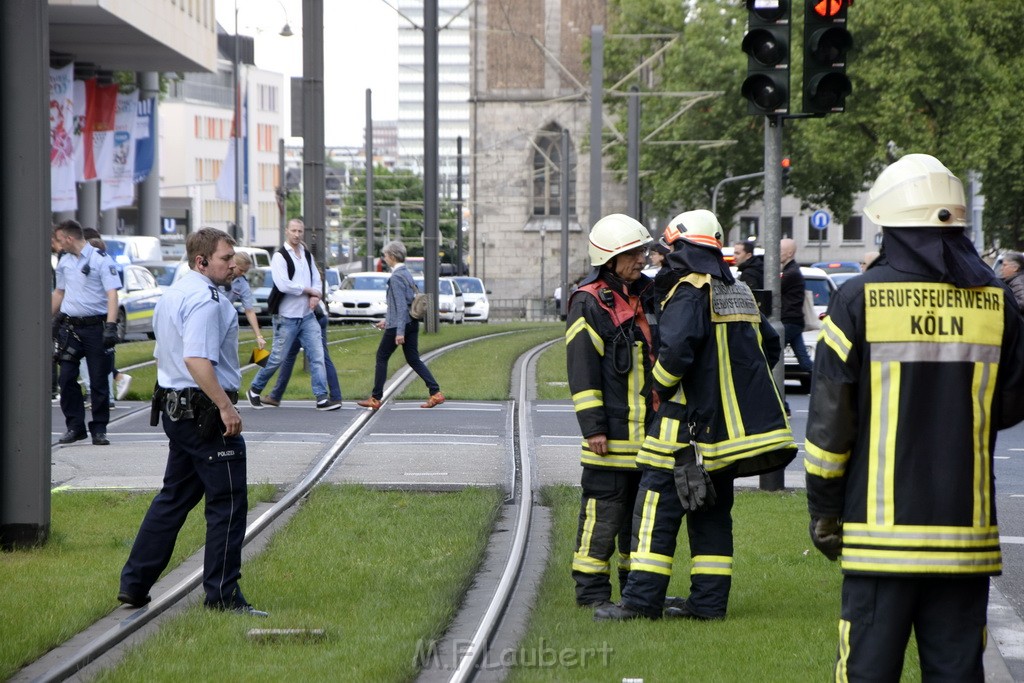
920 362
198 376
719 417
609 341
84 309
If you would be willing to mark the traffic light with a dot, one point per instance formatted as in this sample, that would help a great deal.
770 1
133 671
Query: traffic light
826 44
786 164
767 46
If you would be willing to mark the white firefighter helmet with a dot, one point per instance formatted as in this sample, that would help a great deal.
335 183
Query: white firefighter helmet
699 226
917 191
614 234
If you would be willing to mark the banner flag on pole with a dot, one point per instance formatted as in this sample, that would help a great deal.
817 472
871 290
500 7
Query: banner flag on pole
145 145
98 136
62 149
226 179
118 186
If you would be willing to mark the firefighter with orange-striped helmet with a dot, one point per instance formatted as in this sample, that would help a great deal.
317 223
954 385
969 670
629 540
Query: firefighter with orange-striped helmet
720 416
610 340
919 363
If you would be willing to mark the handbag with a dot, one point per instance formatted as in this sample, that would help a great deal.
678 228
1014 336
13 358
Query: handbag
811 321
419 305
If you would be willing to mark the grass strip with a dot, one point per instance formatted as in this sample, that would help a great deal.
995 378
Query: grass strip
552 381
783 610
53 592
462 375
381 573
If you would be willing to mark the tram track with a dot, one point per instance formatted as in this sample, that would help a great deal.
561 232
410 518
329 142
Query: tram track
521 495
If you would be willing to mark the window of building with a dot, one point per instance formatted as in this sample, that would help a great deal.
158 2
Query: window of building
853 229
749 228
268 98
815 235
547 178
786 229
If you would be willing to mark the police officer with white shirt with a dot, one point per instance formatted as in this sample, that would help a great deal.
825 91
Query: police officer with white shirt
198 376
84 306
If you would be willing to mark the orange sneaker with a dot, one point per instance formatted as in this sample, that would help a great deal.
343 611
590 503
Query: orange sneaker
371 403
435 400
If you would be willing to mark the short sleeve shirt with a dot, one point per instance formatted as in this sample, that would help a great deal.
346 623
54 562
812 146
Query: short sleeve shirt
85 280
240 291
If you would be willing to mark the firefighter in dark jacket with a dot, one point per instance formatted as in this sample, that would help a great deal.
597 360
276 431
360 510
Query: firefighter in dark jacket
920 362
610 342
720 416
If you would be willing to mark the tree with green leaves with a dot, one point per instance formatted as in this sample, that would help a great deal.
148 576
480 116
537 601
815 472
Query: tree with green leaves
940 77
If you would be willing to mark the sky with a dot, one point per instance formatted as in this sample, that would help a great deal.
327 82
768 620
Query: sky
360 52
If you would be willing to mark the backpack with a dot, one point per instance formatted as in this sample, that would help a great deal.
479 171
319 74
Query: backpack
276 295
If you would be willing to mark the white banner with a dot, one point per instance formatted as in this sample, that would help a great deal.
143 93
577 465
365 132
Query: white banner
118 186
77 136
62 149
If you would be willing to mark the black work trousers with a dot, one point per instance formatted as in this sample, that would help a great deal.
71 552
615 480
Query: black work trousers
195 468
947 615
605 521
88 342
657 517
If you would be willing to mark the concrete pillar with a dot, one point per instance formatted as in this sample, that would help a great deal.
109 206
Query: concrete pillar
149 189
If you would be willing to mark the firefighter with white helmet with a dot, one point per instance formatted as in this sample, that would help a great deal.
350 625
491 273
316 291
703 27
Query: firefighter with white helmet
719 416
610 341
907 500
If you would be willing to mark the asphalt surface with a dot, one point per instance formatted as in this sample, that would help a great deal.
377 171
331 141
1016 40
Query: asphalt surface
464 443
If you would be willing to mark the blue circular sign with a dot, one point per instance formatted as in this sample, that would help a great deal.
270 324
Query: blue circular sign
820 219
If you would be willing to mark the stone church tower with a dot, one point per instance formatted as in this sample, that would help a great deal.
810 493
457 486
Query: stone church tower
528 83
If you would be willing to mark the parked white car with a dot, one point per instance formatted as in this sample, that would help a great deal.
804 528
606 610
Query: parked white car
821 288
361 297
474 294
451 306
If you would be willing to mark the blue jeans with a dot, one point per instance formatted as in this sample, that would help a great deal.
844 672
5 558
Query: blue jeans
289 362
795 339
286 332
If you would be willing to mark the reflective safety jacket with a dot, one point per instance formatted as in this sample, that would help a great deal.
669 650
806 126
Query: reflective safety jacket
609 348
714 376
912 380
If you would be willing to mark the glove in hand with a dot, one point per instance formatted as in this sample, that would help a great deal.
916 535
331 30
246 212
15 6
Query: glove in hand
693 485
827 536
109 335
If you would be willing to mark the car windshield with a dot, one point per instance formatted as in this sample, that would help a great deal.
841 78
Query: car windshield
365 282
820 289
414 264
470 284
332 278
260 278
444 287
164 274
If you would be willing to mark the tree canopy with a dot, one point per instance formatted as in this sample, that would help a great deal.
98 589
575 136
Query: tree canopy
940 77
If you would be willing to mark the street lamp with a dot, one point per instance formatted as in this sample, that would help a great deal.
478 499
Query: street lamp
286 31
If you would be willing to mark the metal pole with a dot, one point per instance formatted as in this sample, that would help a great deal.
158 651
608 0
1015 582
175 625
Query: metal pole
774 481
149 189
542 233
430 170
563 183
313 122
633 154
368 151
282 220
240 232
25 363
596 118
458 204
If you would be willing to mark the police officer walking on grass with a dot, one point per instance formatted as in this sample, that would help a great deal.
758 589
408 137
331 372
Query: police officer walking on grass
919 363
610 341
719 417
198 375
84 306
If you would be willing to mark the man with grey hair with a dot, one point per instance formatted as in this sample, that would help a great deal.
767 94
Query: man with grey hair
400 329
1011 270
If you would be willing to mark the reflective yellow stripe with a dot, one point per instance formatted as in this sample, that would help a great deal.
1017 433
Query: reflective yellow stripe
139 315
588 526
621 454
730 402
835 339
822 463
589 565
662 462
983 390
647 522
917 562
590 398
885 392
636 404
624 562
651 562
904 535
581 325
842 661
664 377
716 565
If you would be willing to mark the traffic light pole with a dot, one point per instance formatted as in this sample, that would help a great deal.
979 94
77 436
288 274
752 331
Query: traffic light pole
774 481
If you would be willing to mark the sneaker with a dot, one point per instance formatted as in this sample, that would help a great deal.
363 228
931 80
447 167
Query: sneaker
326 404
121 384
270 401
434 400
371 403
254 398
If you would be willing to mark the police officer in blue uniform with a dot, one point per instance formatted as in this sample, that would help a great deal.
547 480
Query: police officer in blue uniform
198 376
84 306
